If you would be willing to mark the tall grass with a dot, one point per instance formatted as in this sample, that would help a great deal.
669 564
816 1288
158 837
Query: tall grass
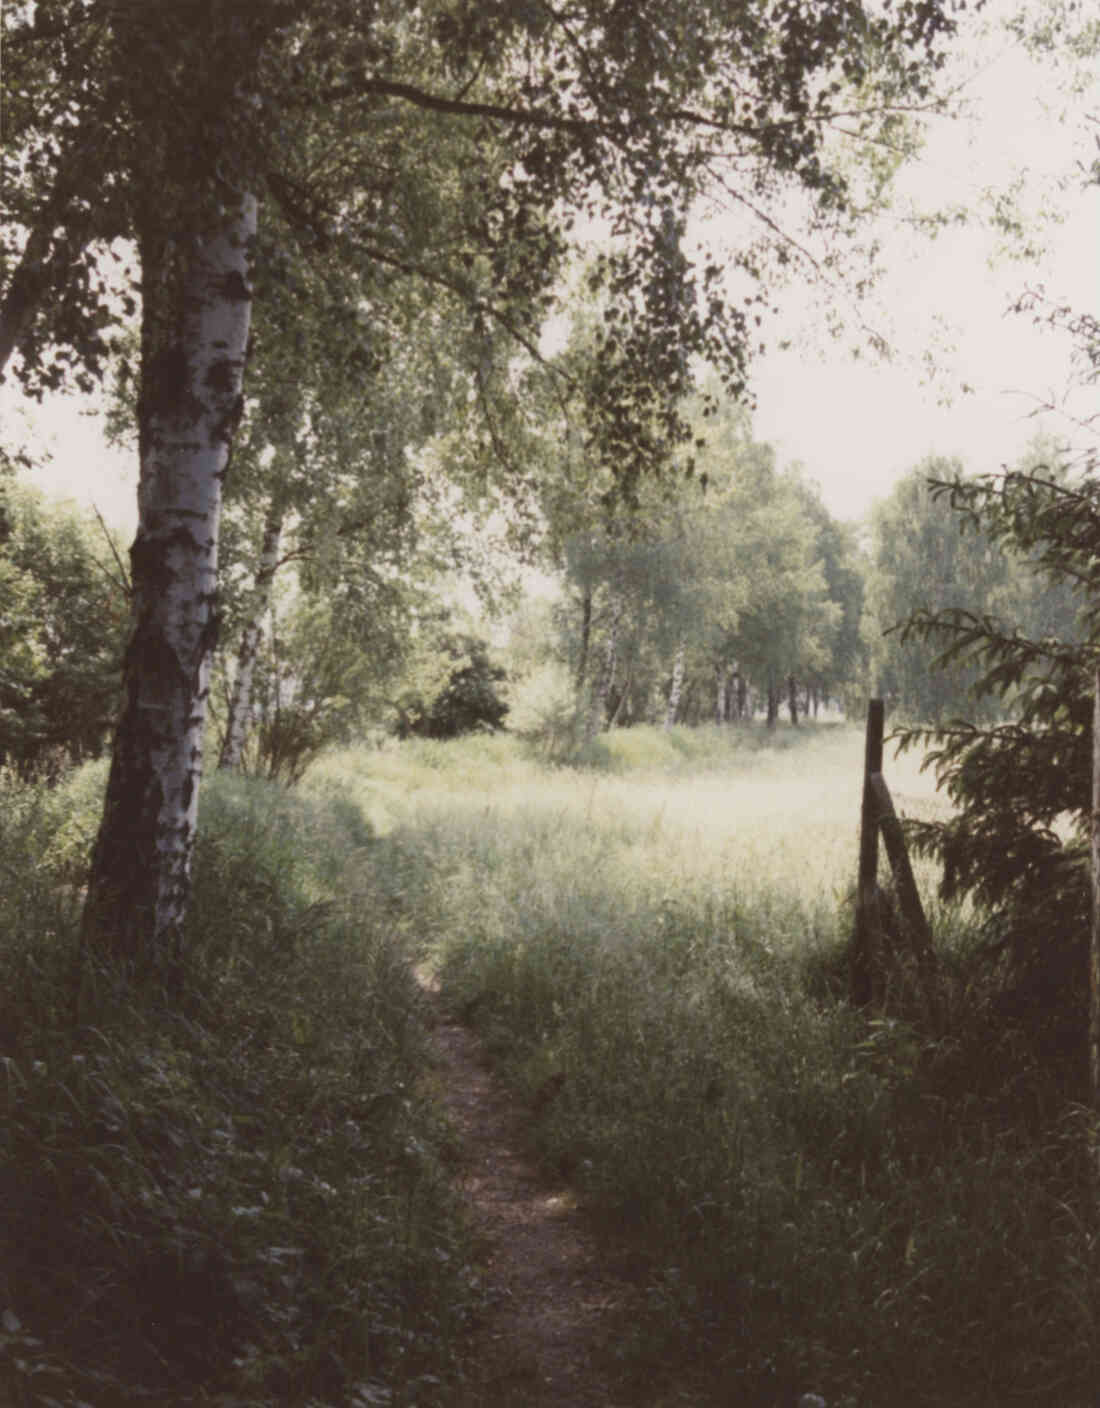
895 1210
236 1192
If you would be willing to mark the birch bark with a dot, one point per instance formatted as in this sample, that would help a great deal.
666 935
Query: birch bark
677 689
195 324
598 713
240 703
719 695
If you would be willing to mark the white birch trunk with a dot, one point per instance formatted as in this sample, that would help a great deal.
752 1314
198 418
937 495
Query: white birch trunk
720 701
677 689
240 703
598 712
195 324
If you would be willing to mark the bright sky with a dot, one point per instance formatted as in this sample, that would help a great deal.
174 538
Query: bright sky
856 427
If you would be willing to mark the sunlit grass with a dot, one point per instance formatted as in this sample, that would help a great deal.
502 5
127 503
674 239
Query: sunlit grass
691 808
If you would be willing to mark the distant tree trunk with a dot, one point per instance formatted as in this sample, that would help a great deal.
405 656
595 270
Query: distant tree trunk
196 307
719 695
731 695
773 701
586 636
677 688
274 720
792 699
742 696
240 702
597 715
623 706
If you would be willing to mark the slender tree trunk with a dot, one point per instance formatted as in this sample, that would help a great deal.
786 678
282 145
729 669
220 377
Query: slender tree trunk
719 695
742 696
623 706
195 322
773 701
586 636
792 699
597 715
677 688
239 715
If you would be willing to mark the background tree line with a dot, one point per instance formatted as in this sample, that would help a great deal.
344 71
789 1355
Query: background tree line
718 598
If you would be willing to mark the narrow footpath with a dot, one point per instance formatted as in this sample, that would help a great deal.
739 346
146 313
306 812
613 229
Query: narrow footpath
558 1298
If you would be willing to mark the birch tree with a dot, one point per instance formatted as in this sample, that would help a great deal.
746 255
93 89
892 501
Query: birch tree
195 334
239 711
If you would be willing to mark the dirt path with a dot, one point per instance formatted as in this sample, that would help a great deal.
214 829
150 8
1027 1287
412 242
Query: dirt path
557 1297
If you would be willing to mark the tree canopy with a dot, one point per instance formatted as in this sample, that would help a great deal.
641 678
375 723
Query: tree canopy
201 156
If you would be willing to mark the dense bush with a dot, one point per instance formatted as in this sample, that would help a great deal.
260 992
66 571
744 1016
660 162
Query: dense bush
468 701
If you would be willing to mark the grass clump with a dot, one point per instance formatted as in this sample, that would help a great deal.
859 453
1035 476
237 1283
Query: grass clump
235 1192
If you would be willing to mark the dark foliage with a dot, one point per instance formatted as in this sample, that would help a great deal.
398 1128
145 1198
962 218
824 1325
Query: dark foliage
1018 841
468 702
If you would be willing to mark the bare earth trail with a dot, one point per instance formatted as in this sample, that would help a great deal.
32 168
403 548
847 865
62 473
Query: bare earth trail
558 1297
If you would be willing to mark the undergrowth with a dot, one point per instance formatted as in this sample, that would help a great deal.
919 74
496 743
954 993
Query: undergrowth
238 1194
885 1210
235 1193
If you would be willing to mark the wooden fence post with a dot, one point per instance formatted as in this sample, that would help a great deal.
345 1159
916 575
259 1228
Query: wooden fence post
916 929
866 933
874 918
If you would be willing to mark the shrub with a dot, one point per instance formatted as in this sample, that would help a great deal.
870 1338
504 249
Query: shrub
544 712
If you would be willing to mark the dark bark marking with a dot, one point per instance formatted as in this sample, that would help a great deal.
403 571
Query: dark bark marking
234 286
222 376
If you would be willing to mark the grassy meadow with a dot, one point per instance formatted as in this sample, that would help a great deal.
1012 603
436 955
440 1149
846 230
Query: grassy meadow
883 1210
